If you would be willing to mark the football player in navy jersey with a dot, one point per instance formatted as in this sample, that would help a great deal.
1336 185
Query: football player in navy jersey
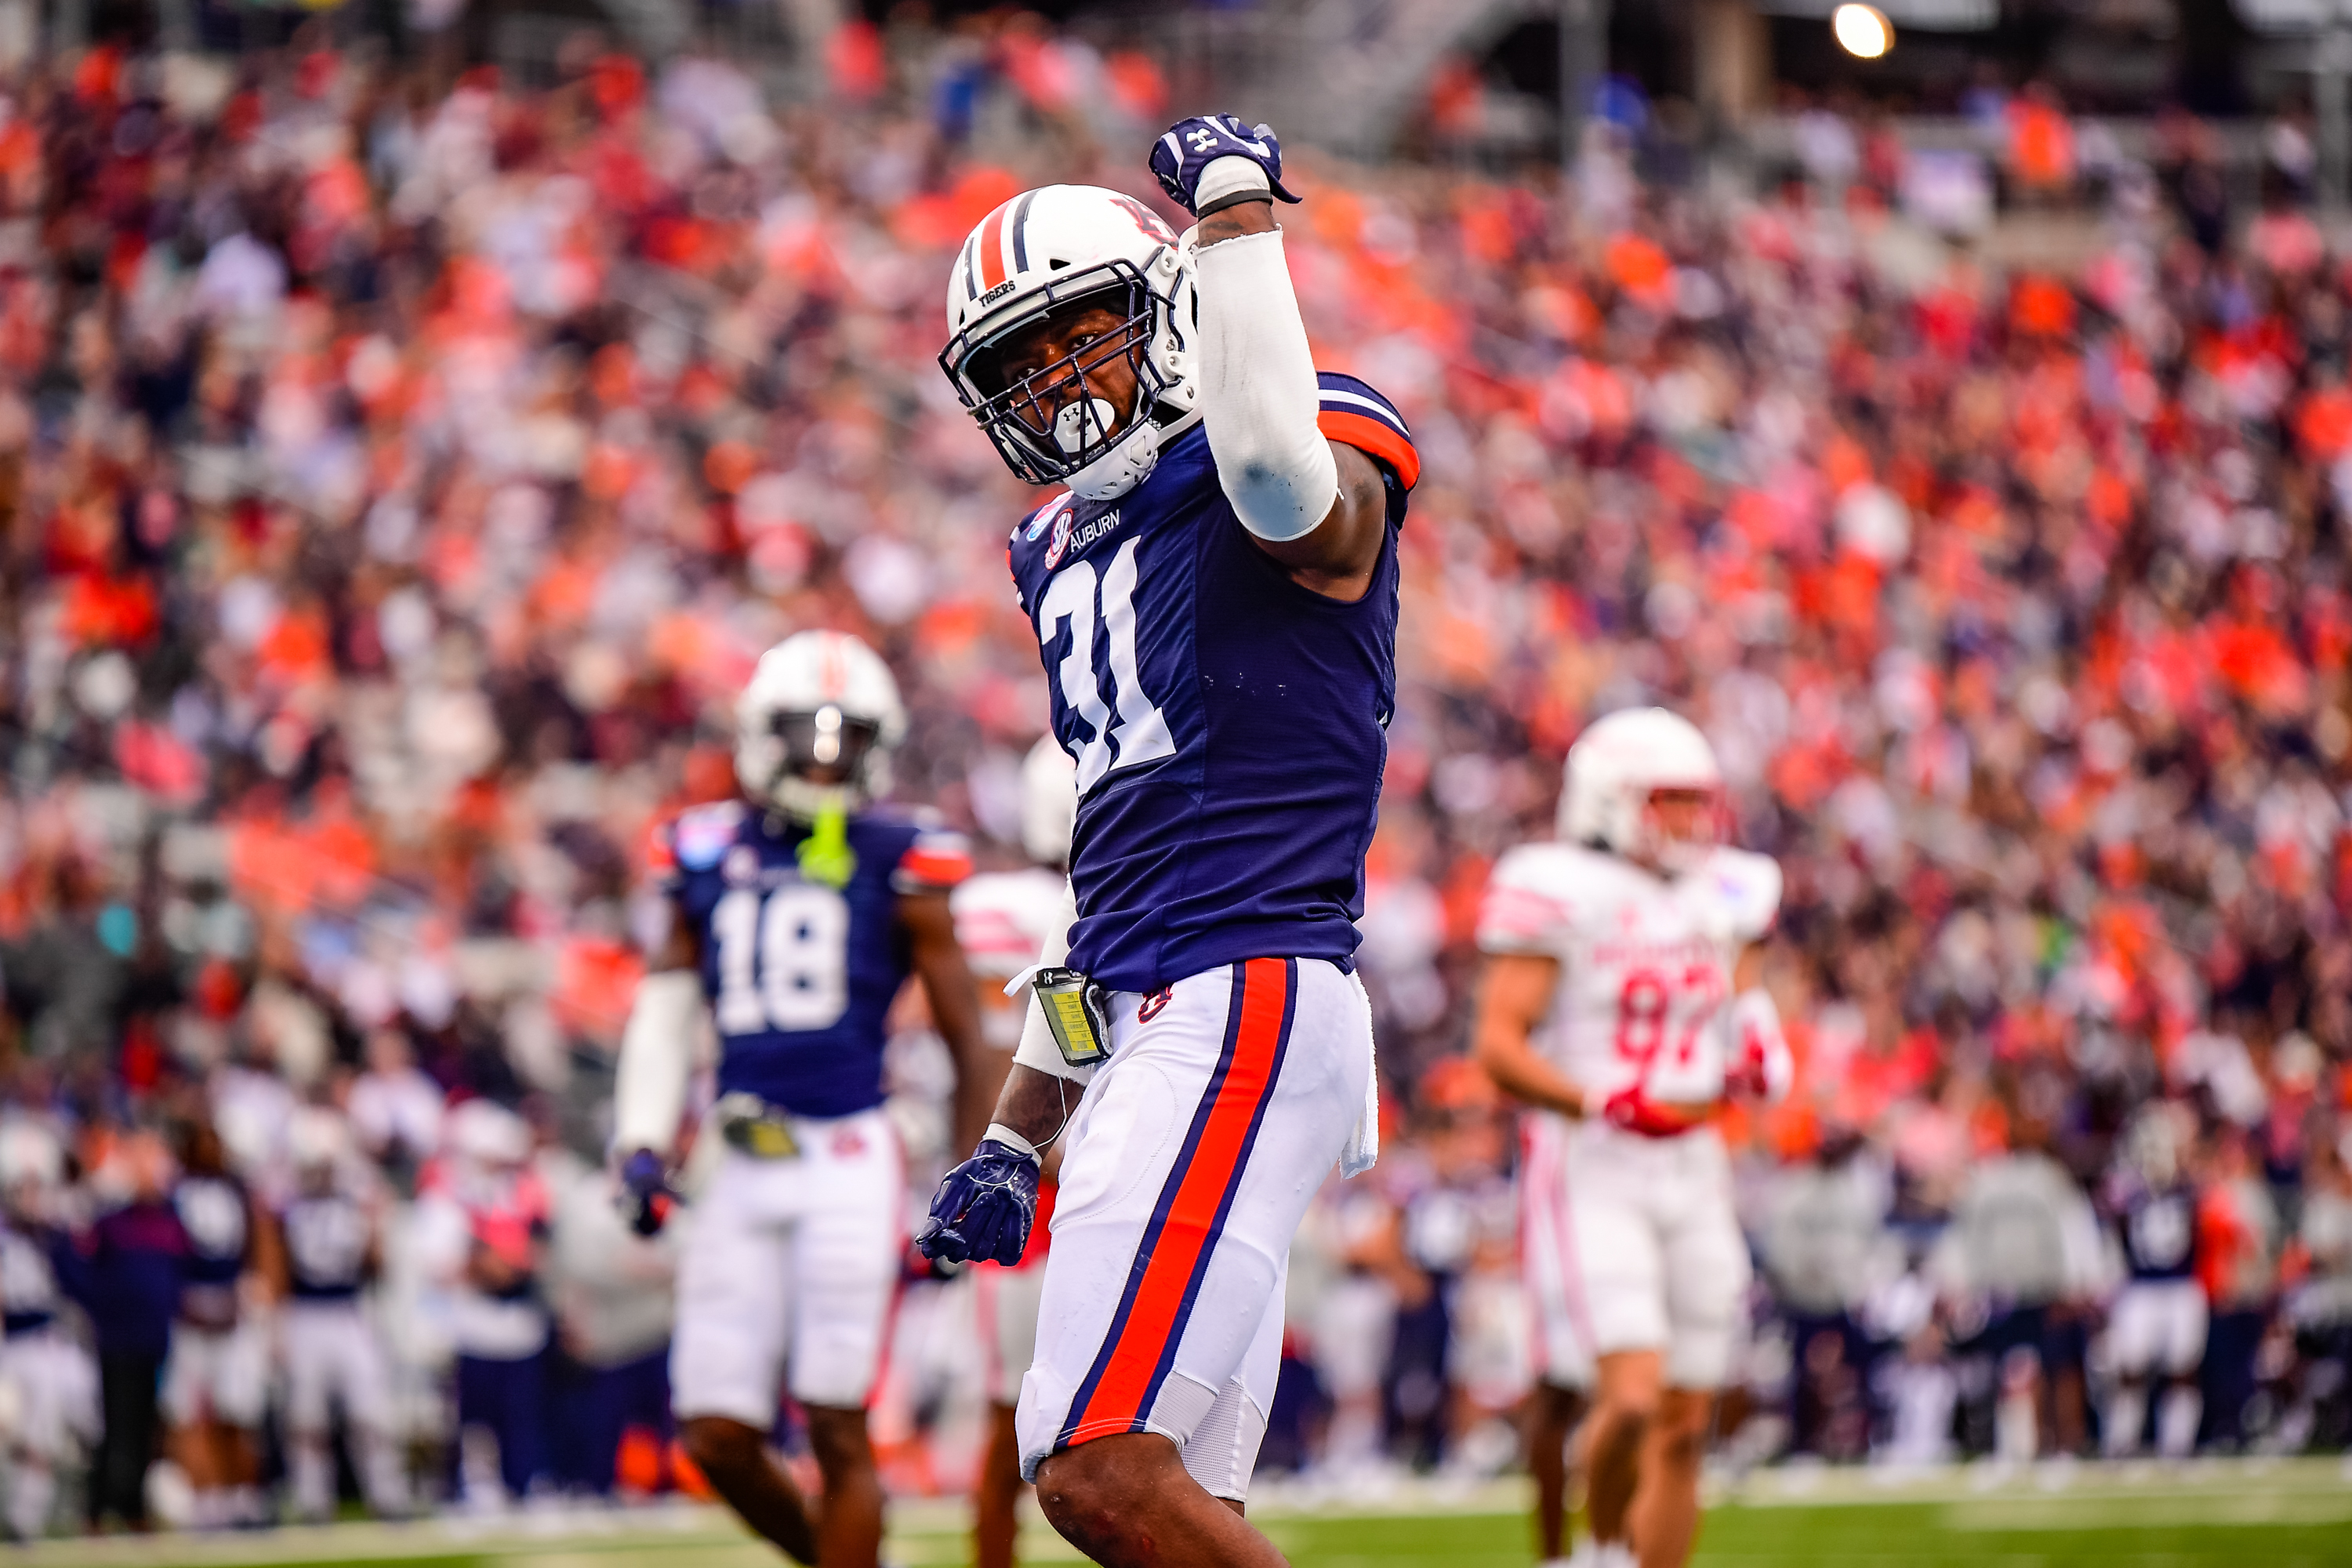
324 1249
2157 1328
1215 595
216 1380
799 912
47 1375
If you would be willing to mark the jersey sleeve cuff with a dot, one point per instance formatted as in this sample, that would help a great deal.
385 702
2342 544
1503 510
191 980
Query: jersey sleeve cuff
935 863
1354 414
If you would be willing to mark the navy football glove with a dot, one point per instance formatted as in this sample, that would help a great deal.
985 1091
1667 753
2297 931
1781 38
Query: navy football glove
1180 158
985 1208
645 1195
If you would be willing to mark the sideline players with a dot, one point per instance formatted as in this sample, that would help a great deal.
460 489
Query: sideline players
2158 1327
798 914
51 1384
480 1229
1215 600
1003 920
216 1379
1619 1001
327 1250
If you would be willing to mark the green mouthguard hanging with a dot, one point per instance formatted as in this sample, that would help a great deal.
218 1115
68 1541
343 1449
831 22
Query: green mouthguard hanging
824 855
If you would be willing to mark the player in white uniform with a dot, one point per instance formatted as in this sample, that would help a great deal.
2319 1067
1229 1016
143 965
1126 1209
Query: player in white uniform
1619 1002
325 1250
48 1384
1004 919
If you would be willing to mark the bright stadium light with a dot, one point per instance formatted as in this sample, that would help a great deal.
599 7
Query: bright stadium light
1863 31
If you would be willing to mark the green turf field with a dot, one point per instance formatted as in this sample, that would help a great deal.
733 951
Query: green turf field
2289 1514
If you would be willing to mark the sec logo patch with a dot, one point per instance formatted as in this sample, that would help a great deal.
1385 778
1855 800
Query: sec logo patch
1060 543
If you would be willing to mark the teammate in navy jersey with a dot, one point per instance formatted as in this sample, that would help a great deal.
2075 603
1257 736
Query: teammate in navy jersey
324 1249
216 1380
47 1375
799 912
2157 1324
1215 603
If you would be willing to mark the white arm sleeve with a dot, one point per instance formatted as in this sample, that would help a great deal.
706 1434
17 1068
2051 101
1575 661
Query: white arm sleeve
1037 1049
1259 397
657 1058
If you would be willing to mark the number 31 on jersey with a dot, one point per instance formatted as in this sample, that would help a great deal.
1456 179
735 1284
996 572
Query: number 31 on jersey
1140 735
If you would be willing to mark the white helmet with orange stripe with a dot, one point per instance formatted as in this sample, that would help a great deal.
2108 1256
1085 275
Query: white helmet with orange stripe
815 727
1068 248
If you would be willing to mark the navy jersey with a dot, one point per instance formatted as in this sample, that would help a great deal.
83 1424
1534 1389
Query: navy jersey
2158 1230
214 1212
28 1277
1230 726
327 1236
801 975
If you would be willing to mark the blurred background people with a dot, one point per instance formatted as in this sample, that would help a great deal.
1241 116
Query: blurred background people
331 1361
482 1221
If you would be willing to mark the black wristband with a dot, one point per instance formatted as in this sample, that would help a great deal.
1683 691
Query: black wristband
1236 199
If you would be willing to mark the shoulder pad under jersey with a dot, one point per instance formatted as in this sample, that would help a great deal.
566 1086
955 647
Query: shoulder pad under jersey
1533 898
1749 888
702 834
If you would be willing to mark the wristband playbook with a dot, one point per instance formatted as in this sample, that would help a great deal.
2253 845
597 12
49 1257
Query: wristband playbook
1077 1010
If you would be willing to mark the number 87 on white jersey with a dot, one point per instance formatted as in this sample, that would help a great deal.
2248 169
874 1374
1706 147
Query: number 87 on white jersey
1646 960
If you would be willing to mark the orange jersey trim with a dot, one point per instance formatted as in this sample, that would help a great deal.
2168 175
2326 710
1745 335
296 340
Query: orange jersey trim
1375 439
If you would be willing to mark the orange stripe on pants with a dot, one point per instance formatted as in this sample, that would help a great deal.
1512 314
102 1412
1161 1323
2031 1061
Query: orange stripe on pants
1216 1166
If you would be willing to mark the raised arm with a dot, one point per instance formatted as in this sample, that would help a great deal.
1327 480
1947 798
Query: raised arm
1317 506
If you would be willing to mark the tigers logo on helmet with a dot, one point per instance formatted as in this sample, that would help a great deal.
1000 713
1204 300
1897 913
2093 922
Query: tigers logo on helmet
1053 249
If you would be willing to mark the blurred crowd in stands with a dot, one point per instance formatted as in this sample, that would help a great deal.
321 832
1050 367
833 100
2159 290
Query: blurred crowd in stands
398 475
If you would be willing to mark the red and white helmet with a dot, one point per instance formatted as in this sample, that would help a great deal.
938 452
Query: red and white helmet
815 727
1054 250
1614 769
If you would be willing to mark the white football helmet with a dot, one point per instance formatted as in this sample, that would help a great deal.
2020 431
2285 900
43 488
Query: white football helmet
30 1156
1053 250
815 727
1615 767
317 1143
1049 803
2155 1140
488 1134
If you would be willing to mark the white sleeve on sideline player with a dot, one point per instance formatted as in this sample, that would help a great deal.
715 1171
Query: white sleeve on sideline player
1037 1049
656 1059
1259 397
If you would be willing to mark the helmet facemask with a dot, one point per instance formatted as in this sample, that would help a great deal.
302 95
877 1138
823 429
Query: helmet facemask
819 760
1057 424
1679 825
